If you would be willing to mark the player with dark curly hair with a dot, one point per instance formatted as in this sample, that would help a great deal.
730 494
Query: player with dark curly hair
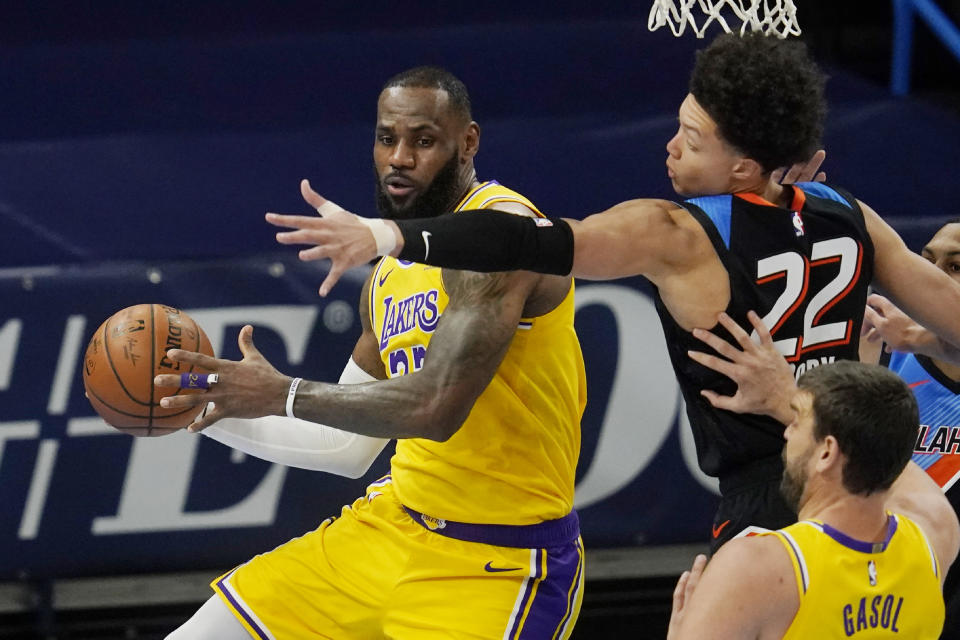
803 255
734 81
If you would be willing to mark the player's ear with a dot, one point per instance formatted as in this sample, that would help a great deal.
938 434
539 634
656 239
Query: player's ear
470 142
829 455
747 169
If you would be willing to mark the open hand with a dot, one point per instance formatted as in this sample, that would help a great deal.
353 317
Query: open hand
765 382
337 234
250 388
883 320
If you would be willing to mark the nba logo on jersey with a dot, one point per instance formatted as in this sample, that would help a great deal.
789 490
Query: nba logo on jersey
797 223
872 573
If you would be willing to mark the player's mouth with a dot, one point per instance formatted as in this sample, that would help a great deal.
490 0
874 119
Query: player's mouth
670 172
399 186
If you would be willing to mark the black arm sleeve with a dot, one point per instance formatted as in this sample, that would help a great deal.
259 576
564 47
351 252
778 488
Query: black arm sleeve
486 240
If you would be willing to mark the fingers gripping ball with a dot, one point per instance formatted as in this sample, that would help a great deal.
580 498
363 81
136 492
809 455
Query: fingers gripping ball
125 354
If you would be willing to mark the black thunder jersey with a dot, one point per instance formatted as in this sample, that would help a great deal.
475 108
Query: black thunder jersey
806 272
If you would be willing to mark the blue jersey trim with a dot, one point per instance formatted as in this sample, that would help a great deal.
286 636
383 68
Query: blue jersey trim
823 191
717 209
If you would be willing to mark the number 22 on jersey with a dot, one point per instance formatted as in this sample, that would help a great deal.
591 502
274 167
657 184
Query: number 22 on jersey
794 268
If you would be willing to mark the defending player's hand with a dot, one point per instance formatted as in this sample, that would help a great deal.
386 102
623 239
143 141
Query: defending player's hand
250 388
883 320
802 171
765 382
686 585
337 234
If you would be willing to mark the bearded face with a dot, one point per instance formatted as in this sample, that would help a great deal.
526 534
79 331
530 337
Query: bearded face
436 198
794 480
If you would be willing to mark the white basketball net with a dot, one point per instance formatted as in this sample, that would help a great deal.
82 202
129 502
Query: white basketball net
777 17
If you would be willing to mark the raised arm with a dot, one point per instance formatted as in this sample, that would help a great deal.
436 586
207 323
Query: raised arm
470 341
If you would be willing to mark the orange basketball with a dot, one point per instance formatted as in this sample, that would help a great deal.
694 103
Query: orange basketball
123 357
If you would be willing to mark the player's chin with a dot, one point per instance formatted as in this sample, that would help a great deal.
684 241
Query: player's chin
681 189
405 209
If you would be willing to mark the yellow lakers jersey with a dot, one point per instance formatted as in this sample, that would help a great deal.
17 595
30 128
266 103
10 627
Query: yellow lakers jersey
854 589
513 460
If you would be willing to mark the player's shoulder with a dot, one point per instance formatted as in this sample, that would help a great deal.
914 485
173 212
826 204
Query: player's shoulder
756 560
516 207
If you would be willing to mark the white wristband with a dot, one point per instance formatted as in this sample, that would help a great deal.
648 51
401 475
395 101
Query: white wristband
291 394
383 235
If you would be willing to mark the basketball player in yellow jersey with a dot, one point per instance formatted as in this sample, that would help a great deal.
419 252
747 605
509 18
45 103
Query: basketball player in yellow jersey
876 535
481 381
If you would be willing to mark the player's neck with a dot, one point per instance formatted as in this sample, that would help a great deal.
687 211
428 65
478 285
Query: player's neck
860 517
468 182
771 191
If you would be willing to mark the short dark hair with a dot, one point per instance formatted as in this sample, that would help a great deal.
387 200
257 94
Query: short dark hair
872 414
435 78
765 94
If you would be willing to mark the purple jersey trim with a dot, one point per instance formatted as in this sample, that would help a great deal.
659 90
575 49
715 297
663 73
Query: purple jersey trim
860 545
543 534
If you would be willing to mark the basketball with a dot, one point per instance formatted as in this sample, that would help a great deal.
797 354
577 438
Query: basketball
125 354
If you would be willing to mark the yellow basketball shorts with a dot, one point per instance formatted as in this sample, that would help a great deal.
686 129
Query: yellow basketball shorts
381 570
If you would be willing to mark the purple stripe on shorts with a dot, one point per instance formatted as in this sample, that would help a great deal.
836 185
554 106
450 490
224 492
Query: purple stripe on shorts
238 607
555 600
528 585
574 593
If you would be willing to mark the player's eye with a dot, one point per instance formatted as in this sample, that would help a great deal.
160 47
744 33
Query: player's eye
387 140
954 267
425 142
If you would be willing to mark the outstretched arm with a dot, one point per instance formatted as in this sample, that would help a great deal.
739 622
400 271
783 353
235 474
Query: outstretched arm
884 321
609 245
298 443
631 238
467 347
926 294
309 445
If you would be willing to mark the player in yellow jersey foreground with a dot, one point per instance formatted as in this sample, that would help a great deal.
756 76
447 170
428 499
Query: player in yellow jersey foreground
876 535
481 381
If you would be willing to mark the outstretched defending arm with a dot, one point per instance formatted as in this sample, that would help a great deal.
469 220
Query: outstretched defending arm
631 238
604 246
